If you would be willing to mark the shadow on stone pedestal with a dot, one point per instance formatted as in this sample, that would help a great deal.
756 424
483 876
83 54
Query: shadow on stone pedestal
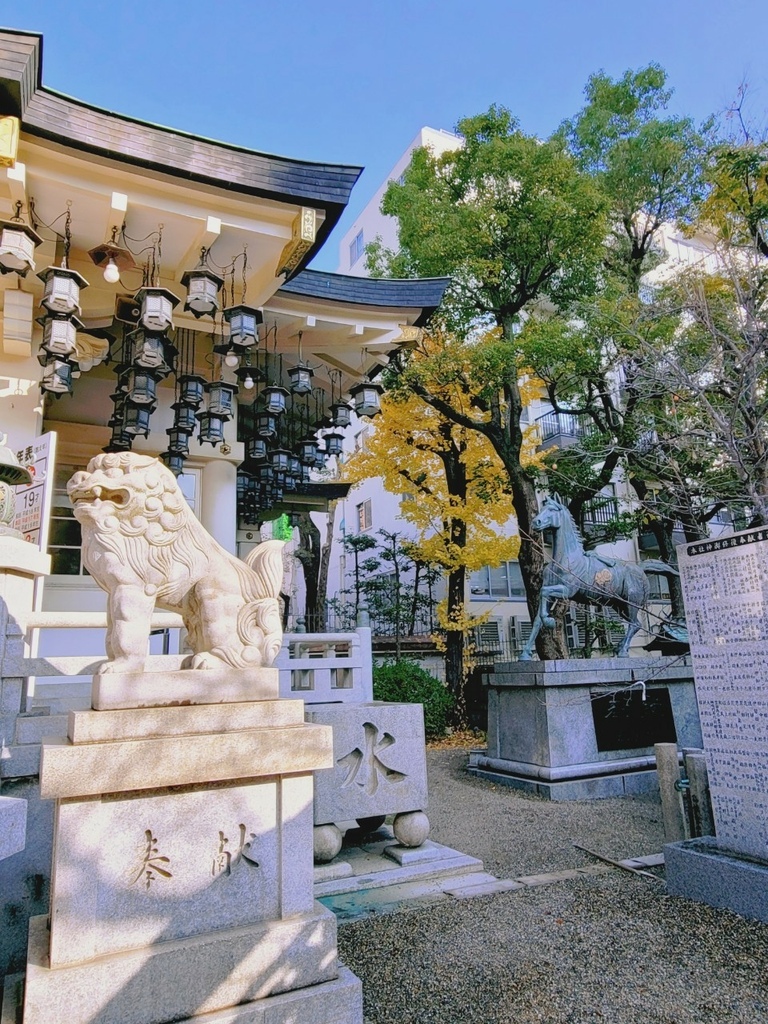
705 871
182 879
581 730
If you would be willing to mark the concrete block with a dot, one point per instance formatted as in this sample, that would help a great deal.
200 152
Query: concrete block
23 761
11 693
414 855
222 685
75 770
332 1002
13 826
333 871
144 723
33 727
173 980
149 867
379 761
703 870
489 888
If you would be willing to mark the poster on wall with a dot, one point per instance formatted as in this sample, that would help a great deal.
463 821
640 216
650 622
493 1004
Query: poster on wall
33 500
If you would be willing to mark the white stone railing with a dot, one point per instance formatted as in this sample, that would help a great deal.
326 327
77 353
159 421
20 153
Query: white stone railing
318 667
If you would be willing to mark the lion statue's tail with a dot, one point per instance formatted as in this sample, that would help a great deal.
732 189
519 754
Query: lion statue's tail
266 561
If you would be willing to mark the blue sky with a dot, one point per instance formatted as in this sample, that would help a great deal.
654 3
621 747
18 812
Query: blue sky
352 82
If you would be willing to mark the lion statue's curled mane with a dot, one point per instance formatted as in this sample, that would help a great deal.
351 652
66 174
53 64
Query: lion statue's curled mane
144 547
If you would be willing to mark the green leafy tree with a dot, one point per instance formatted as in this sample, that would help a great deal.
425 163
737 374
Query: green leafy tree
513 221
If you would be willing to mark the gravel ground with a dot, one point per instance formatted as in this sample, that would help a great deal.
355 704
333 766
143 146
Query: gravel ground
610 948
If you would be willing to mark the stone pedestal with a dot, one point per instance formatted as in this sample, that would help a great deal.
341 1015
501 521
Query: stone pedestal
182 871
577 730
379 768
707 871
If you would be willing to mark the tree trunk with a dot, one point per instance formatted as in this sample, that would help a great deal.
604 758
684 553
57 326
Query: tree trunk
325 563
455 670
308 554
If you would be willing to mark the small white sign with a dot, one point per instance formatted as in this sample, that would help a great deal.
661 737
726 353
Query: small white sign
33 501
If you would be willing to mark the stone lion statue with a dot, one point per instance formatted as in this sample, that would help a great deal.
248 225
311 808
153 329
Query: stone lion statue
144 546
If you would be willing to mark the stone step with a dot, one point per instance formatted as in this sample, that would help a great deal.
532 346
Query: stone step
488 888
372 869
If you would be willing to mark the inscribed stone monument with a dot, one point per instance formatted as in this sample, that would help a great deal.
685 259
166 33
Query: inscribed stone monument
725 585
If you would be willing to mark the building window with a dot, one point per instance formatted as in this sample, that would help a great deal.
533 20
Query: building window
364 516
356 248
65 537
505 583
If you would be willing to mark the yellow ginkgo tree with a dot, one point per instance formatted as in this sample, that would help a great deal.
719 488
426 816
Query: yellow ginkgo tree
455 491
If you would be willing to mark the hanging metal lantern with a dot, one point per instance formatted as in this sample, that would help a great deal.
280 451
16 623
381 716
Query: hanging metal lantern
274 398
256 449
178 441
60 335
278 460
290 483
366 398
120 440
57 377
211 428
17 247
308 450
118 400
220 396
184 417
294 467
243 480
157 306
334 443
247 378
152 350
265 474
136 419
174 461
243 325
306 475
301 378
62 290
266 425
203 287
191 389
140 386
341 414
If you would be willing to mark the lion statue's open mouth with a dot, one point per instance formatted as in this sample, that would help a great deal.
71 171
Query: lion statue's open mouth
144 546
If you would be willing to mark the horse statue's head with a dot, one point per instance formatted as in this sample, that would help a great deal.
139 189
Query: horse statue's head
551 515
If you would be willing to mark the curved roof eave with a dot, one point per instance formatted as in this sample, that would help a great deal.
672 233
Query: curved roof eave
77 125
424 293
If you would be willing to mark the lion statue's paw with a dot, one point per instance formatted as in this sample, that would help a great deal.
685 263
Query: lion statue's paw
203 660
120 666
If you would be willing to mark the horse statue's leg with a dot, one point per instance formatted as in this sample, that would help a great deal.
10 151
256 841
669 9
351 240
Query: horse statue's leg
633 625
527 652
553 592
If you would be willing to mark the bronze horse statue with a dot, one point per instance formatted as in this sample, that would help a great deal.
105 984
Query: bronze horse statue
574 574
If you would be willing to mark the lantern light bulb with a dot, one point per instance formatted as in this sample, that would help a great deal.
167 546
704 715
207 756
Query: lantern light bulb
111 272
248 383
232 359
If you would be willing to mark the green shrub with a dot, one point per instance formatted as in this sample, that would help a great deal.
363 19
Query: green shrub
407 683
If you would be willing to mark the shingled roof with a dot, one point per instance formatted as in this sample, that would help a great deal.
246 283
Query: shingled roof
424 293
50 115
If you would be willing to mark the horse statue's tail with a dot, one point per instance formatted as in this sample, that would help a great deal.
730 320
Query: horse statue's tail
658 568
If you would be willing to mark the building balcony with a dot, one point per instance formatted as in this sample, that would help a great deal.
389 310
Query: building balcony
562 429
